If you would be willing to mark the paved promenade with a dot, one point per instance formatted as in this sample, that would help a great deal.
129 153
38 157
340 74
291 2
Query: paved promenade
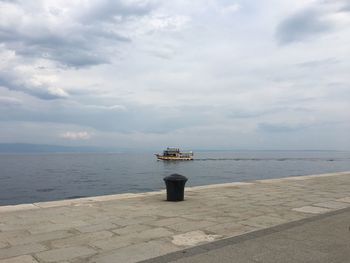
135 227
318 239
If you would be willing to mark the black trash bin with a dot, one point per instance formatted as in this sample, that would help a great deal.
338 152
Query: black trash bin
175 185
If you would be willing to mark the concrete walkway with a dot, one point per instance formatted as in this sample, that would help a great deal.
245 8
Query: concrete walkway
319 239
135 227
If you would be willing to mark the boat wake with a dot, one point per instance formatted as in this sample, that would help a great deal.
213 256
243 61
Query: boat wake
271 159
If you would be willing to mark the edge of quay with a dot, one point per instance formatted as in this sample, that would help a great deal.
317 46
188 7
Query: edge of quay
103 198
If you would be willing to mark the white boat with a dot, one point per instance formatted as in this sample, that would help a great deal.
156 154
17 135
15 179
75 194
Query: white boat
174 154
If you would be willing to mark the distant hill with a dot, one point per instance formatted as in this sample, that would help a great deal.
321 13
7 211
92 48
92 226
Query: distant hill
43 148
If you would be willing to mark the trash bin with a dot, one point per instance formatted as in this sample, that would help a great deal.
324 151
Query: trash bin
175 185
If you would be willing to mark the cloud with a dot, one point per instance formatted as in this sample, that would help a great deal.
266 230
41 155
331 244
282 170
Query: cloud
344 5
346 8
77 34
232 8
82 135
35 79
116 118
303 25
109 10
318 63
15 81
279 127
9 102
103 107
174 72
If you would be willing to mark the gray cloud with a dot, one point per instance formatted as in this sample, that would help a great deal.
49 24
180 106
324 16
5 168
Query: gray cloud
75 48
138 119
94 66
279 127
346 8
15 82
9 102
318 63
301 26
259 113
109 10
344 4
84 37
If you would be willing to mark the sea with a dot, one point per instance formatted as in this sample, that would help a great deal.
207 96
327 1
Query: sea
28 178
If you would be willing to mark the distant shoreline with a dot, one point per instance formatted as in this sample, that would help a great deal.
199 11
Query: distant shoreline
24 148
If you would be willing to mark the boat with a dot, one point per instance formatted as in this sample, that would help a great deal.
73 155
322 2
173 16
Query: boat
174 154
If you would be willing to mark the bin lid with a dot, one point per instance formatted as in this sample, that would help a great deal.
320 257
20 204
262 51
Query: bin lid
175 177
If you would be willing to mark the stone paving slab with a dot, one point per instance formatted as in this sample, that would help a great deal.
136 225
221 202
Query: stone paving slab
312 209
135 227
321 239
21 250
135 252
12 208
60 254
19 259
42 237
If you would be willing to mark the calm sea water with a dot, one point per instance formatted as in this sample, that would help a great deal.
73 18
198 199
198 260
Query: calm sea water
43 177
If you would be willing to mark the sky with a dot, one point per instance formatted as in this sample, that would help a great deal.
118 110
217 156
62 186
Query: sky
201 74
